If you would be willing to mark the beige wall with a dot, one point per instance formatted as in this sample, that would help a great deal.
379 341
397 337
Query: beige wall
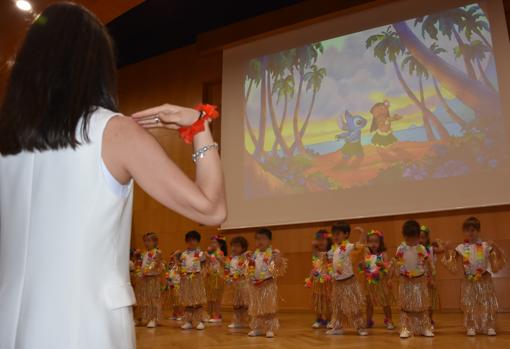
181 77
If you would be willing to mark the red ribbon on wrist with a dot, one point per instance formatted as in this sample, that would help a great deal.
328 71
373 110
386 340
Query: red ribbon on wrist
209 112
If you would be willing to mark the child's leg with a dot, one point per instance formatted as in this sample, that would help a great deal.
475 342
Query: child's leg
370 313
387 314
431 312
217 310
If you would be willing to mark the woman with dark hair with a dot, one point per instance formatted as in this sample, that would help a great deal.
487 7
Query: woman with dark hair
67 162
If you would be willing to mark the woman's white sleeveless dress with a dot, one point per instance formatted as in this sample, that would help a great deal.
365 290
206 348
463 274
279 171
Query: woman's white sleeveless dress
64 250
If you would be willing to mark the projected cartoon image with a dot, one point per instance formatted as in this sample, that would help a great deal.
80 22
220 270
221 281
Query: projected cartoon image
410 101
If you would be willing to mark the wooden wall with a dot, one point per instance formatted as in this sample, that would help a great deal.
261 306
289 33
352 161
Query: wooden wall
187 76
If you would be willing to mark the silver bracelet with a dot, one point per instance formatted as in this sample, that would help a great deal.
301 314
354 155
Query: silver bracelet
200 153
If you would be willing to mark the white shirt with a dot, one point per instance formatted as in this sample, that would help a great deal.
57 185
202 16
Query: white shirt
64 250
476 263
341 261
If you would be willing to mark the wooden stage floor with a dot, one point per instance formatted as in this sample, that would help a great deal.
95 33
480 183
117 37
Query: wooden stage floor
296 333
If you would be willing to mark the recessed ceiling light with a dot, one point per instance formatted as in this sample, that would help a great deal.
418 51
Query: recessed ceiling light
23 5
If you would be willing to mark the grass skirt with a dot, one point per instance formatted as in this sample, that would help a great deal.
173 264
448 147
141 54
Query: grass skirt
321 299
384 140
380 294
479 303
192 290
352 149
241 294
171 298
214 287
414 302
435 302
347 303
148 298
263 306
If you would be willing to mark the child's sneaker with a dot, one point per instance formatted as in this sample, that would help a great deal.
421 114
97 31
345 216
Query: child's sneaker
151 324
215 320
317 324
200 326
404 333
428 333
335 332
187 326
389 324
254 333
491 332
471 332
269 334
363 332
234 326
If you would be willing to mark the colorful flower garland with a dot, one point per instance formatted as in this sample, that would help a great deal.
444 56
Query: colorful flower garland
316 275
338 268
196 263
479 259
234 274
268 254
373 276
422 256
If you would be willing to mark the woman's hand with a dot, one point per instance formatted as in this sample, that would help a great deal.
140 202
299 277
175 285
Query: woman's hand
166 116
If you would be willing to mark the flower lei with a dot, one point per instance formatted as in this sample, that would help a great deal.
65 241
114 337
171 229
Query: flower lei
422 256
195 262
373 276
234 274
316 274
479 258
207 112
338 268
172 279
268 254
151 254
215 256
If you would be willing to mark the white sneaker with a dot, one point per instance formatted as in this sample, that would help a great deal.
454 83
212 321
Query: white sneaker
330 325
404 333
187 326
335 332
151 324
471 332
427 333
491 332
234 325
200 326
269 334
178 318
316 325
390 326
363 332
254 333
214 320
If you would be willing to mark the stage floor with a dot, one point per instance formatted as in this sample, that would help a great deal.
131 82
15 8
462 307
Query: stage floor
295 333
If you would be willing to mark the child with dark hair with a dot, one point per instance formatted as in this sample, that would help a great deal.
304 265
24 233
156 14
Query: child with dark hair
193 297
478 297
347 300
319 280
236 270
414 268
148 285
265 266
215 276
375 267
434 248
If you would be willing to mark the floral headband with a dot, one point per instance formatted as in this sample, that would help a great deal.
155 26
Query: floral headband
375 232
218 238
322 234
425 229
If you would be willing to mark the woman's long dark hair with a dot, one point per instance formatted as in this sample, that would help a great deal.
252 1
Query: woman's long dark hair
64 70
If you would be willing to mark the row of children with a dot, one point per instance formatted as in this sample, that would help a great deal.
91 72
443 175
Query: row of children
339 298
194 278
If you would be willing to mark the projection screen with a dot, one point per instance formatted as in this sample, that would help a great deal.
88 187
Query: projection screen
396 109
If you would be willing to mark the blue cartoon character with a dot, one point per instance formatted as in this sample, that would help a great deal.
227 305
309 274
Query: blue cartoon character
352 125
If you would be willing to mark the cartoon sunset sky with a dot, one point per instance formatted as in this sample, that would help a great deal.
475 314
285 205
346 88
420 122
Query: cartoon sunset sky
355 80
